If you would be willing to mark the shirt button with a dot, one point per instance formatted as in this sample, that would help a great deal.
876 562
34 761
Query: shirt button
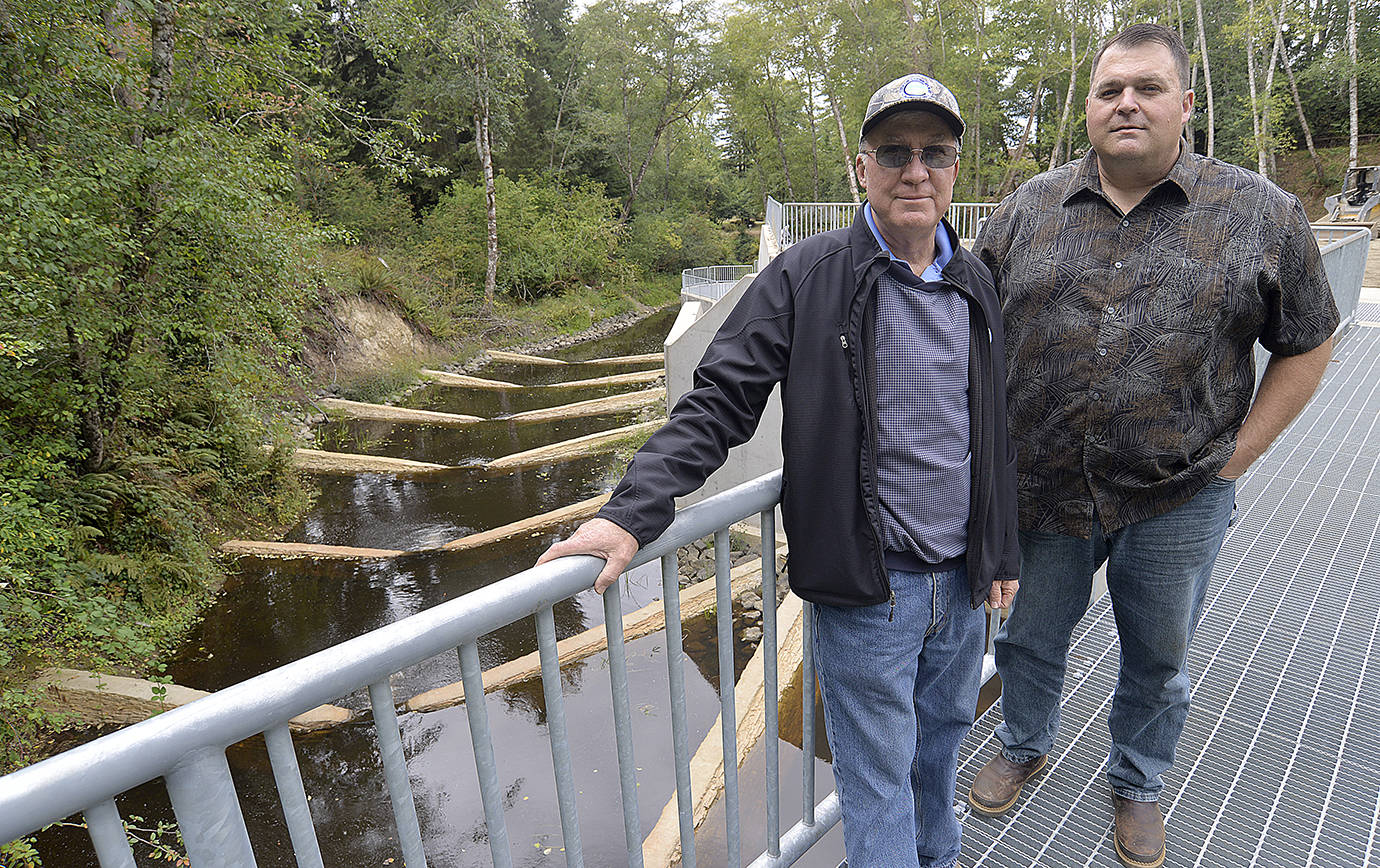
1110 311
1096 396
1118 264
1125 223
1102 351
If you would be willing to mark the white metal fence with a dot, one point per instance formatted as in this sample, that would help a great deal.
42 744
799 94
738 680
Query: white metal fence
711 282
794 221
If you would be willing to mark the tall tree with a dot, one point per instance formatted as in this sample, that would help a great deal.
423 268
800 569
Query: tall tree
647 65
485 41
1294 92
1207 78
1354 115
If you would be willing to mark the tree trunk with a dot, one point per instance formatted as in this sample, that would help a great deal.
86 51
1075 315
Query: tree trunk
769 109
1008 183
635 181
843 144
484 144
1255 98
1207 77
912 37
1351 50
560 113
1268 103
1057 151
161 58
814 130
1298 105
976 126
939 13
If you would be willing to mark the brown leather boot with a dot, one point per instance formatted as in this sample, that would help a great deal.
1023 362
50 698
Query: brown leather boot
997 787
1139 834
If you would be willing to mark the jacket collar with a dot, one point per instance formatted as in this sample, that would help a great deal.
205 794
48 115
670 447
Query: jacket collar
867 253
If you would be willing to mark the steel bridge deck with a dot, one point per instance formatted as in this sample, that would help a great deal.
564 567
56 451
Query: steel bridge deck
1278 765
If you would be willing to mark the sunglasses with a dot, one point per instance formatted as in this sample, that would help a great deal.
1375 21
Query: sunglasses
899 156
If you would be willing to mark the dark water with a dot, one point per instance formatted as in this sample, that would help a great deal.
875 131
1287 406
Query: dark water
274 611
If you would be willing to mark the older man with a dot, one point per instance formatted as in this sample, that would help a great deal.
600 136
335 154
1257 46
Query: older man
899 500
1135 283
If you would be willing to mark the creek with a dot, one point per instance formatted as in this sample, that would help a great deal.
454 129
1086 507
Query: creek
274 611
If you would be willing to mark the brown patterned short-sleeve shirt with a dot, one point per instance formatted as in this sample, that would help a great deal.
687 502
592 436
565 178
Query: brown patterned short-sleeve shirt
1129 338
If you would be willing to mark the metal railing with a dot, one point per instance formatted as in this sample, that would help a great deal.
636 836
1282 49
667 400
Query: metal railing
794 221
1344 251
186 746
711 282
967 217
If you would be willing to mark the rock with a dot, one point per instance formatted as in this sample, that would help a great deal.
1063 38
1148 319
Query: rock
751 634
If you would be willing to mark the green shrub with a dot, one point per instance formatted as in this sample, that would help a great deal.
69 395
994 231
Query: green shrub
664 243
377 214
550 237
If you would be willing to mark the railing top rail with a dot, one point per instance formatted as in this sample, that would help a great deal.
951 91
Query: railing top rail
79 778
1331 235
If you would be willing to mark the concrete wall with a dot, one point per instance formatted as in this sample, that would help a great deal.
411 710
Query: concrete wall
685 345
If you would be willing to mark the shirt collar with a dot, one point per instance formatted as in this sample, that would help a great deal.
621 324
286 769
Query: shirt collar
943 250
1086 179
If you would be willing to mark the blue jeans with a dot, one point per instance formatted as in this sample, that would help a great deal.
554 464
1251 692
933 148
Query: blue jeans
900 691
1157 575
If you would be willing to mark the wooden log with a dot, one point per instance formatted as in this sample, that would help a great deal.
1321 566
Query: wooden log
593 407
266 549
387 413
319 461
96 698
695 600
569 449
524 359
529 526
631 378
446 378
661 848
659 358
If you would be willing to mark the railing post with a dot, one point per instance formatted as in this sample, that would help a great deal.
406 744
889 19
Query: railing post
807 714
283 757
767 525
622 723
680 728
208 811
559 735
723 586
395 773
484 764
108 835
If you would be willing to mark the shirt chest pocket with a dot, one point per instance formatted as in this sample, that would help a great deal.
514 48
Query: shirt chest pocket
1183 294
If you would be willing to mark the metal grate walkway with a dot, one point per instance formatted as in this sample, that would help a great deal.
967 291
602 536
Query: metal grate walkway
1278 765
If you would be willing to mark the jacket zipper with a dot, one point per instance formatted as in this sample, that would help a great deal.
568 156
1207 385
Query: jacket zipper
870 438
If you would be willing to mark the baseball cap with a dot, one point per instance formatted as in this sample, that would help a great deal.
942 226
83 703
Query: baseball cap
913 91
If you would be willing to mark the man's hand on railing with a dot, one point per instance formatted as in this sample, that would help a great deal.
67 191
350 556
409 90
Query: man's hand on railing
602 539
1002 593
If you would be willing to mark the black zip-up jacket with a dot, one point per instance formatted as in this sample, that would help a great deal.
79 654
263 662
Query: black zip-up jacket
807 322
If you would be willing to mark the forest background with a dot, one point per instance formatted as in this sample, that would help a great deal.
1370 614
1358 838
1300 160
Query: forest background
189 191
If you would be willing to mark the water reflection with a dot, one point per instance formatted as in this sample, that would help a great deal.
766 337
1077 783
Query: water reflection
271 612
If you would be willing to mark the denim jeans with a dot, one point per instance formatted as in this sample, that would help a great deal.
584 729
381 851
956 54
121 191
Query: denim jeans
1157 575
900 690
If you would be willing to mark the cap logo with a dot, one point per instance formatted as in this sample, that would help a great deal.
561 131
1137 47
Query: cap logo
916 87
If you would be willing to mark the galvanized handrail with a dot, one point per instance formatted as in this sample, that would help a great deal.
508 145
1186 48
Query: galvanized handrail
186 746
795 221
711 282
